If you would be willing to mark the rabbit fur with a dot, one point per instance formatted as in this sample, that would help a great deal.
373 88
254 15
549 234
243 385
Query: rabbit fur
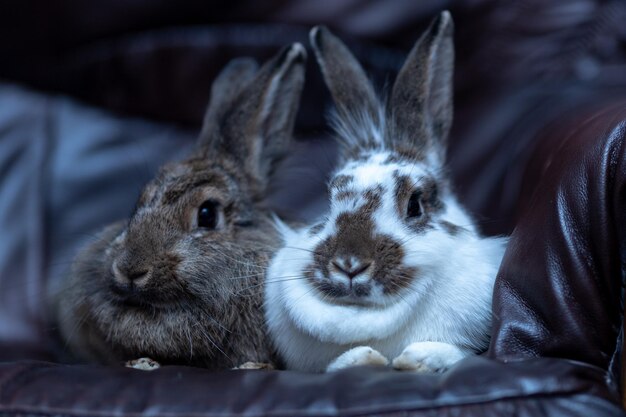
181 281
396 270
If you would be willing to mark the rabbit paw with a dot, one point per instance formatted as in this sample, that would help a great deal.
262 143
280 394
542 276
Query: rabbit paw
144 364
428 357
255 365
358 356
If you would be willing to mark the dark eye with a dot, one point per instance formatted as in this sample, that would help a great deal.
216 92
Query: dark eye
208 215
414 208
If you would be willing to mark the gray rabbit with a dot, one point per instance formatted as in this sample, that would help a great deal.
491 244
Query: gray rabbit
181 281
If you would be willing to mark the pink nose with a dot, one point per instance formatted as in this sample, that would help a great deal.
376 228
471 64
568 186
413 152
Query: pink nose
125 275
350 270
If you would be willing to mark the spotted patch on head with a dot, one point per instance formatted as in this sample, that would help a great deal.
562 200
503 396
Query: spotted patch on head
392 158
373 198
341 181
420 226
451 228
344 195
403 188
429 201
430 193
361 153
397 158
315 229
355 237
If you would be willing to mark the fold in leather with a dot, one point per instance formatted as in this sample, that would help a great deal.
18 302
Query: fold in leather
559 289
477 387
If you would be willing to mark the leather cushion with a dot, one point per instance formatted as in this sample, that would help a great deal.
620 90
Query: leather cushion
476 387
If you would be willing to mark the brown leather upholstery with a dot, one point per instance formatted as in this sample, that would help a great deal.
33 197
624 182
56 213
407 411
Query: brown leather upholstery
478 387
573 227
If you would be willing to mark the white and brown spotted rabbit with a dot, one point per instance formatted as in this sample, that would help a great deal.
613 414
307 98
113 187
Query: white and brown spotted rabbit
396 270
181 281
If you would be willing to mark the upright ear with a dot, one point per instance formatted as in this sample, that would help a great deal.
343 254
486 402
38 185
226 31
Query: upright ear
358 108
226 87
420 109
255 127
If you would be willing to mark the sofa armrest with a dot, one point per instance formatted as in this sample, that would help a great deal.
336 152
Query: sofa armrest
567 302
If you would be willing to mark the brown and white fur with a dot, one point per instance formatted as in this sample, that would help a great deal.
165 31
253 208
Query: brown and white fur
396 270
181 281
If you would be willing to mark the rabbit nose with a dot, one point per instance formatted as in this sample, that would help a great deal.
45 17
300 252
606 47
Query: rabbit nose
127 274
350 268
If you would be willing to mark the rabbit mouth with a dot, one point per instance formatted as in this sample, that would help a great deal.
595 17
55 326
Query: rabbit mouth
137 302
132 296
344 293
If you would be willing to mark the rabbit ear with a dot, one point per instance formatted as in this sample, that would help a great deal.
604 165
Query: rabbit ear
228 84
354 96
255 128
420 109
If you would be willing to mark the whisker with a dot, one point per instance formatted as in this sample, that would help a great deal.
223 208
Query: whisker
297 248
272 281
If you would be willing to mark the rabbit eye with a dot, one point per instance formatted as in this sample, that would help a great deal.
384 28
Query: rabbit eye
208 215
414 208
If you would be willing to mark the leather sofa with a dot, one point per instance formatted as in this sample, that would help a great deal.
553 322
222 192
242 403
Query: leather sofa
95 96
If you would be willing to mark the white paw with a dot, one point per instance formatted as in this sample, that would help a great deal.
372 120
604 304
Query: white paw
428 357
358 356
144 364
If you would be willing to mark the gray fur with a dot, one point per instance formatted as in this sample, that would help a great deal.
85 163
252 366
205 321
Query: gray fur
158 286
420 109
353 93
418 116
237 74
259 123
